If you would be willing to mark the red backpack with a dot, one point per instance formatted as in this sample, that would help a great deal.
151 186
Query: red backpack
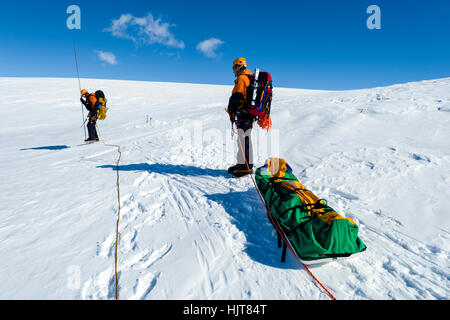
259 97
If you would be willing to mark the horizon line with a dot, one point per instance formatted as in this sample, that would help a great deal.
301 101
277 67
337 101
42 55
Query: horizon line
215 84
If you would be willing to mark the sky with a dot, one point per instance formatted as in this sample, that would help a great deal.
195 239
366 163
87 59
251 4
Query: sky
303 44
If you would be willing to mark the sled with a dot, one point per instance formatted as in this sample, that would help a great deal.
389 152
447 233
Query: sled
313 231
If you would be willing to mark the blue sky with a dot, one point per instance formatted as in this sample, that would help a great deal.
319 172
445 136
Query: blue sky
303 44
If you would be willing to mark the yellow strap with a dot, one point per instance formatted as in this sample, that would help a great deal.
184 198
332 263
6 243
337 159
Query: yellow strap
307 197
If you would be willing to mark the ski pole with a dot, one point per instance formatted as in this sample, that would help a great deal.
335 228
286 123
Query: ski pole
79 86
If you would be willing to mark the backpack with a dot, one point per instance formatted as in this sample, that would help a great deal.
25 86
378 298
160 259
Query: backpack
101 111
259 97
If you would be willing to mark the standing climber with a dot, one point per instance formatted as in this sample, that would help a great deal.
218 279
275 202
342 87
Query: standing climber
238 112
90 101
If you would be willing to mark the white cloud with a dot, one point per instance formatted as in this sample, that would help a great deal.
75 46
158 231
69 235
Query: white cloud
119 27
107 57
144 30
209 47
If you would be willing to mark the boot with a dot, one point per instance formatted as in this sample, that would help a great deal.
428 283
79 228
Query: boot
242 171
232 168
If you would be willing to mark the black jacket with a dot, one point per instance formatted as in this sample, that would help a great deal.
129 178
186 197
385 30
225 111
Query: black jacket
239 109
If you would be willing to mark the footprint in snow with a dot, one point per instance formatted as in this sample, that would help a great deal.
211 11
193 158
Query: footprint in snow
419 157
345 195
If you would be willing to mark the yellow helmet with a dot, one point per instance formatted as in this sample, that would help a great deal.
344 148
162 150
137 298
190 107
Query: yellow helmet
240 62
84 91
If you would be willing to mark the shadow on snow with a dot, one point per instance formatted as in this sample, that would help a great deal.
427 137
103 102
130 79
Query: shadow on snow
245 209
47 148
249 216
170 169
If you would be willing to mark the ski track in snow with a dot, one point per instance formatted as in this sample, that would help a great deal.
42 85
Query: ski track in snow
187 231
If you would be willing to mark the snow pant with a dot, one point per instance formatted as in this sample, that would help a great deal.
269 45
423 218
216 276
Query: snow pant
92 131
245 142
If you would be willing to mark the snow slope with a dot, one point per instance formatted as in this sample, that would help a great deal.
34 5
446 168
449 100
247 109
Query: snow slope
380 156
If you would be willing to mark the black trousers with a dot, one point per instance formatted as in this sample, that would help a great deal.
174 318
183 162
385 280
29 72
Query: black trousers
245 141
92 130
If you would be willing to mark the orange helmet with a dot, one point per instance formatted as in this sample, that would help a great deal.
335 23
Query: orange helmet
240 62
238 65
84 91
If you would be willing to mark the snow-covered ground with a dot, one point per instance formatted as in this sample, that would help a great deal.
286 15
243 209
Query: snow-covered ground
380 156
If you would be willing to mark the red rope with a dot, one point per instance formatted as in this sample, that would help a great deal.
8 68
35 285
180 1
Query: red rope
278 230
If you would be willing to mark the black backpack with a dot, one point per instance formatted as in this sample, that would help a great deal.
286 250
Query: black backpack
99 94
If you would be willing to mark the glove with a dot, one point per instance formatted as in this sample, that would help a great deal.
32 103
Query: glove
233 118
84 102
231 115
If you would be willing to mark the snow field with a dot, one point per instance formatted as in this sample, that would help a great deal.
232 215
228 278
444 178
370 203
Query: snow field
379 156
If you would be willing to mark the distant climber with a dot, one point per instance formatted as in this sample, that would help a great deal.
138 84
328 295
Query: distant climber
238 112
95 103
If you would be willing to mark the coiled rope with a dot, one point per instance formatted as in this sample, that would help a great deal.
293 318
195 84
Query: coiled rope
118 212
280 232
